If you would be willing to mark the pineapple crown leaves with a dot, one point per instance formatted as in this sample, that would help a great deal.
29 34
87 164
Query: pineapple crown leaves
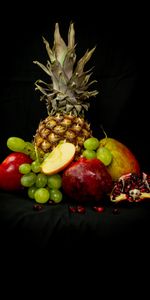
68 91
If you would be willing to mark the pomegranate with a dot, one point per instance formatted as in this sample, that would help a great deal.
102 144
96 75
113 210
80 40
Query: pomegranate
131 187
86 180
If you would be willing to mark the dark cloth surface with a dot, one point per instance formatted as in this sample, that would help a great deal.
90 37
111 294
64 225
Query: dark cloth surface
55 227
121 69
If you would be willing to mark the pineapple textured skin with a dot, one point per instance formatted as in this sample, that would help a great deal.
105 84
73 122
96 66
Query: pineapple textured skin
55 129
67 95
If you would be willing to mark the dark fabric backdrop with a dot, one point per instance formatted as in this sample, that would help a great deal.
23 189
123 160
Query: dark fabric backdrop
121 63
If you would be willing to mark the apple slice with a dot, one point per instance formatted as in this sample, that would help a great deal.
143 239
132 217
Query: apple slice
58 159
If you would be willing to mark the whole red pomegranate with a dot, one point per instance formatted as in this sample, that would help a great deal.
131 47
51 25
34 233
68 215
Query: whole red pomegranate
86 180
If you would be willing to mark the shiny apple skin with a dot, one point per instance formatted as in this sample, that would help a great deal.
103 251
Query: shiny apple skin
9 171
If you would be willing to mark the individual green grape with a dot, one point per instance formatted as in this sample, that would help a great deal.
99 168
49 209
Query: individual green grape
41 180
28 180
28 147
54 181
89 154
104 155
25 168
56 195
36 166
29 150
16 144
91 143
32 155
41 195
31 191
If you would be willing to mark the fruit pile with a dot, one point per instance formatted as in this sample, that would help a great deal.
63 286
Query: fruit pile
65 157
95 175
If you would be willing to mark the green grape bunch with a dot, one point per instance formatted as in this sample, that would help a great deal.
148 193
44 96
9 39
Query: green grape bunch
40 187
92 150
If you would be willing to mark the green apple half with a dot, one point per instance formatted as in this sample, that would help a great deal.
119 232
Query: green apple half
58 159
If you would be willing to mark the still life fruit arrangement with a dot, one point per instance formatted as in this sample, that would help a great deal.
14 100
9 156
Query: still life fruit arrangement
64 158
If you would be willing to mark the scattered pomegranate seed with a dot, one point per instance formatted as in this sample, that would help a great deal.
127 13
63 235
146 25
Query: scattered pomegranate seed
38 207
72 209
81 209
99 209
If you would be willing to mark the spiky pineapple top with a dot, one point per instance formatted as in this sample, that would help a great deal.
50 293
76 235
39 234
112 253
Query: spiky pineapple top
67 91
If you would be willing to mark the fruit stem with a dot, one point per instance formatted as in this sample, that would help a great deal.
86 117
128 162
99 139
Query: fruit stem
104 131
37 154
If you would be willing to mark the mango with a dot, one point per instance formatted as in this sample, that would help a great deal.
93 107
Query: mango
123 160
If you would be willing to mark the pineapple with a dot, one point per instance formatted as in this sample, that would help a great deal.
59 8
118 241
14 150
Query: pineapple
66 95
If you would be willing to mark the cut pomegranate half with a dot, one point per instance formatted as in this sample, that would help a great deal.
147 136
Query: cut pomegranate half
131 187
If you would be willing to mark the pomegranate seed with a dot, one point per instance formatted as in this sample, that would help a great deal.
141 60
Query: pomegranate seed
143 190
99 209
81 209
72 209
38 207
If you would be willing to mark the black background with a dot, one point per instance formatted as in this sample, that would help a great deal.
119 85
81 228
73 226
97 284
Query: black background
120 63
121 67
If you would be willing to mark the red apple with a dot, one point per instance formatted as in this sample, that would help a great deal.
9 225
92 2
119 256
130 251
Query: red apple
86 180
9 171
